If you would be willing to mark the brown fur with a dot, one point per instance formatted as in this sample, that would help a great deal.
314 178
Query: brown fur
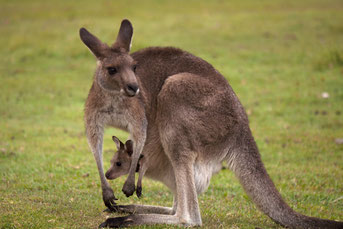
189 120
121 162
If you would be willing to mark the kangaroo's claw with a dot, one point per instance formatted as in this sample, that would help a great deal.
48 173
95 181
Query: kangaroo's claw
139 191
109 199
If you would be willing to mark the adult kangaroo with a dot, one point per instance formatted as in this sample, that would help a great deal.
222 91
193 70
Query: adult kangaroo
188 119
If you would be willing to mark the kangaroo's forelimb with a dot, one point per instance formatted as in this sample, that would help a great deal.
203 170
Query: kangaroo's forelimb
95 132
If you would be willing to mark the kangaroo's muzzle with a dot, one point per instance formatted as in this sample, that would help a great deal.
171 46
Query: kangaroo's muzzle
131 90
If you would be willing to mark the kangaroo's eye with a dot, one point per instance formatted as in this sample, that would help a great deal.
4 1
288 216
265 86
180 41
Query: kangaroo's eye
118 163
111 70
134 67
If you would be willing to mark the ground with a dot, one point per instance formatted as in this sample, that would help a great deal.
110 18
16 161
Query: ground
284 59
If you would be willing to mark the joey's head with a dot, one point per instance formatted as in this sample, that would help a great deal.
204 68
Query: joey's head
121 161
116 69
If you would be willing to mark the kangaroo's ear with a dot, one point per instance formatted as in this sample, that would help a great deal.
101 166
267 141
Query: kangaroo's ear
124 37
129 147
119 144
93 43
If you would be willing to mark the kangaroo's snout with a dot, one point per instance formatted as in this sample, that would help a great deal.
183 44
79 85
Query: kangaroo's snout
107 175
110 175
131 90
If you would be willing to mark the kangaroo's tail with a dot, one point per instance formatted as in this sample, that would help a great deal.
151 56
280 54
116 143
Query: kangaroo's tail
248 167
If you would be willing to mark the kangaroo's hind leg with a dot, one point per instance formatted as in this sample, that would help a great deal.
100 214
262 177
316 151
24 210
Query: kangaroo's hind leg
186 203
187 208
181 149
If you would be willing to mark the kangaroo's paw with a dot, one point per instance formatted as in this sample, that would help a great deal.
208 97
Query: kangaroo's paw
129 188
139 191
117 222
109 199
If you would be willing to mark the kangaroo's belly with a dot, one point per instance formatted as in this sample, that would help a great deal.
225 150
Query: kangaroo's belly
160 168
203 173
165 176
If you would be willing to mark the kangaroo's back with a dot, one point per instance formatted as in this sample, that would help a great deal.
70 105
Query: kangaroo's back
156 64
161 62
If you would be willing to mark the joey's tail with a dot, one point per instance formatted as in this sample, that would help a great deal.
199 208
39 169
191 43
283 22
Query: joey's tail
248 167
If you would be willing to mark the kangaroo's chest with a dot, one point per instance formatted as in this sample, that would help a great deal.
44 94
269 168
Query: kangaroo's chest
115 115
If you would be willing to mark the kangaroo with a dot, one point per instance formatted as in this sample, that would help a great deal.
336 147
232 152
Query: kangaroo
188 119
120 165
114 100
121 161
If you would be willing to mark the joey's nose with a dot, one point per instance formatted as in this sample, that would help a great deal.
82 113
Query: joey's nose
132 89
107 175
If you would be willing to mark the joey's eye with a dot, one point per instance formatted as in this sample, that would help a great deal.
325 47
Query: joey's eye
118 163
111 70
134 67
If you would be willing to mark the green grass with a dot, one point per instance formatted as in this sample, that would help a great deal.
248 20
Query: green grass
279 56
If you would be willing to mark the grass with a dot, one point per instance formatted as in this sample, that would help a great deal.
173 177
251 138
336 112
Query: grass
279 56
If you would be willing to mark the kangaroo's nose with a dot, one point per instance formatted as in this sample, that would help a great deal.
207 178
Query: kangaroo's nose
132 89
107 175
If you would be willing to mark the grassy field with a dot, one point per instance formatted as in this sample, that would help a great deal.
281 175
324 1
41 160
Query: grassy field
284 59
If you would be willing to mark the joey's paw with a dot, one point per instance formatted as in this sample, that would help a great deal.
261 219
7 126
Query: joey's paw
128 188
109 199
116 222
139 191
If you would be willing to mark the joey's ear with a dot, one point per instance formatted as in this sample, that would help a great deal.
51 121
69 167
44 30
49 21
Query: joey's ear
93 43
119 144
129 147
124 37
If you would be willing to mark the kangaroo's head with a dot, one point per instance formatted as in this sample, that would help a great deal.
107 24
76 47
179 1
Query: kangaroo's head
121 161
115 67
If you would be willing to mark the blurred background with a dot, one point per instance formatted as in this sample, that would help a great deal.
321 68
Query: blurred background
284 59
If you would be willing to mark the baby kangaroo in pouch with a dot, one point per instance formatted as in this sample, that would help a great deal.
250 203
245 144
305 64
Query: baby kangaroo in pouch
185 117
121 162
120 165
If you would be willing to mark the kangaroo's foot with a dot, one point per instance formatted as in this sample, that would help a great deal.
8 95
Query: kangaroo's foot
109 199
141 209
134 220
116 222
